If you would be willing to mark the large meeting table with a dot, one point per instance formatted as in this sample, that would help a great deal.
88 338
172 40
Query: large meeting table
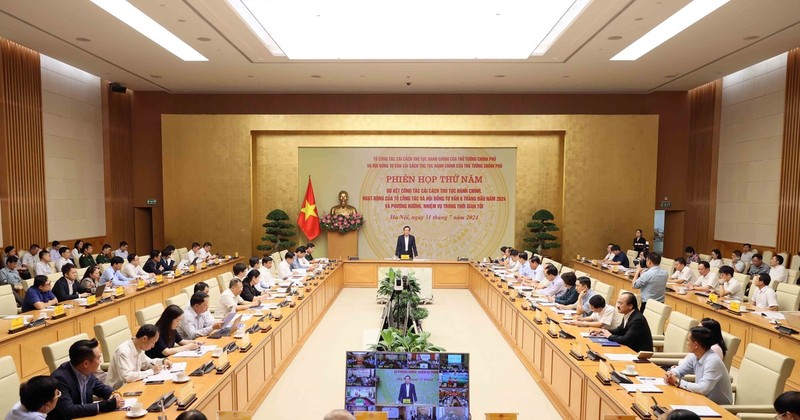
570 384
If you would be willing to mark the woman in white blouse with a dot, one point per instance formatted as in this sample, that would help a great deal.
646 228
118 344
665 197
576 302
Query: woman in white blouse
716 258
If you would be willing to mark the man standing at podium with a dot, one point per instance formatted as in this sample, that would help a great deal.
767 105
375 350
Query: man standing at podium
408 394
406 248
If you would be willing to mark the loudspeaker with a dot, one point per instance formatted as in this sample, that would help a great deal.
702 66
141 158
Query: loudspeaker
118 88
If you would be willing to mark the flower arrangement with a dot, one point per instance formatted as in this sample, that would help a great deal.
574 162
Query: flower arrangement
342 222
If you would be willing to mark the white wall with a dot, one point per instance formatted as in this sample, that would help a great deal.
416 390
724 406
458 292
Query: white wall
748 181
73 149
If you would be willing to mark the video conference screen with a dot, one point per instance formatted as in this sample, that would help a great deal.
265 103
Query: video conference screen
409 386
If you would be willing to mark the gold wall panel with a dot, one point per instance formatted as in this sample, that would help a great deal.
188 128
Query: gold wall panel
215 190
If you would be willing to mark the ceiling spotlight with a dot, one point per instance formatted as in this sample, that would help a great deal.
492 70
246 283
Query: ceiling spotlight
751 38
82 39
614 38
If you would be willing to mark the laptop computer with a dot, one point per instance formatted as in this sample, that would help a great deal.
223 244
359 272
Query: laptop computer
228 326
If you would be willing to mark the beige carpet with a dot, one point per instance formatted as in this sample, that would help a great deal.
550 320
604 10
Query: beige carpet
314 382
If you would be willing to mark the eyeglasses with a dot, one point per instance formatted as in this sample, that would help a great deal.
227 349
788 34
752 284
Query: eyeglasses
781 416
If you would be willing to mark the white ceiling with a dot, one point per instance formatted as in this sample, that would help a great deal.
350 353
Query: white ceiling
238 62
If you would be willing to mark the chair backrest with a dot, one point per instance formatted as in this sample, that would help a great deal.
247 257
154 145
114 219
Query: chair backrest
538 256
57 353
213 295
727 261
566 269
579 273
53 277
792 277
82 271
111 334
605 290
592 279
150 314
276 259
530 254
632 255
762 375
788 296
181 299
704 257
179 253
668 264
224 279
732 343
188 291
283 254
8 304
557 264
9 380
26 284
677 332
794 264
693 265
656 314
742 278
767 256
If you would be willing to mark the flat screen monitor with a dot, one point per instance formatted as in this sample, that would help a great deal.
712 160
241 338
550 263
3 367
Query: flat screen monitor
408 386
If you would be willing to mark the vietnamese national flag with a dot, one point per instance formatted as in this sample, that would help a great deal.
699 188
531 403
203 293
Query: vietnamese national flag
308 219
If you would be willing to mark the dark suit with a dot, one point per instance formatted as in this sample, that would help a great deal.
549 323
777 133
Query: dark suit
164 266
400 249
635 333
70 405
411 394
152 267
61 289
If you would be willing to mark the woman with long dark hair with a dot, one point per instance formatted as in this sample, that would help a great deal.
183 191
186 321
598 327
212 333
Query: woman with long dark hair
719 346
91 278
168 336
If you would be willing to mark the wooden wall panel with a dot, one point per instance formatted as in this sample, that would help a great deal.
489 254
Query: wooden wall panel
22 188
789 207
118 167
705 105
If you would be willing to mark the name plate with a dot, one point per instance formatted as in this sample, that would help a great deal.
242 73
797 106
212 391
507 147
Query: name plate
713 297
58 312
17 323
159 279
178 272
91 300
642 402
191 269
236 254
119 291
578 348
185 392
223 359
140 284
736 306
406 400
603 370
245 341
537 315
552 329
203 265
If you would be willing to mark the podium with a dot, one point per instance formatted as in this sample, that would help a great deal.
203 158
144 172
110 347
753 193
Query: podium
342 244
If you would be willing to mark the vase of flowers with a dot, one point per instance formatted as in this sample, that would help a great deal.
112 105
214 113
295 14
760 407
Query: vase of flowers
342 222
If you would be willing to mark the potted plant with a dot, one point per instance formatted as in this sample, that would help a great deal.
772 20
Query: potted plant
279 232
409 298
393 340
541 227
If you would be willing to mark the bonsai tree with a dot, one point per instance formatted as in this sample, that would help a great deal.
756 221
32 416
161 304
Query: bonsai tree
541 226
279 232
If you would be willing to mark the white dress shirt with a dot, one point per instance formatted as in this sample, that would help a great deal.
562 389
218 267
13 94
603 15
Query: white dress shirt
135 272
122 254
711 377
129 365
284 270
30 260
76 254
227 303
765 297
715 263
195 325
734 288
43 268
709 280
684 276
62 262
265 279
747 256
190 256
607 316
778 274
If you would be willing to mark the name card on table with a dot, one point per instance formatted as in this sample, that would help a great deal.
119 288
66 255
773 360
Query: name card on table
245 341
203 265
642 402
140 284
159 279
91 300
578 348
223 359
537 315
603 370
191 269
178 272
58 311
17 323
713 297
404 257
119 291
736 306
236 254
185 392
552 329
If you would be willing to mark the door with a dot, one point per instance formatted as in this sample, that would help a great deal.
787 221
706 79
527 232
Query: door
143 231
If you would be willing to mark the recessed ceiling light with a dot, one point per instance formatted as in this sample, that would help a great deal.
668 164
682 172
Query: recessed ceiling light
182 20
499 76
82 39
565 76
614 38
146 26
316 76
250 76
638 19
204 39
751 38
669 76
682 19
446 29
155 76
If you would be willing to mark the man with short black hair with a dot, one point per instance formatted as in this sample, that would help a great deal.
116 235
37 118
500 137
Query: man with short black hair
620 258
682 274
634 331
113 274
309 250
133 269
555 284
757 266
30 259
406 245
122 252
230 300
205 252
708 279
10 275
736 261
152 265
537 275
285 266
42 268
79 386
86 259
130 363
197 320
201 286
602 315
764 297
653 281
514 264
39 296
194 252
55 251
777 272
711 375
68 287
747 254
37 397
166 263
63 258
300 261
585 293
729 286
265 280
105 255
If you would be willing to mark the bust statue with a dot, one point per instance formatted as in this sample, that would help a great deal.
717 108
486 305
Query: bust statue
343 207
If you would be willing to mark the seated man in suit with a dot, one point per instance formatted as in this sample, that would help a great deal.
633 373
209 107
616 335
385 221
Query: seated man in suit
37 397
406 244
78 385
712 378
153 264
68 287
166 263
634 331
408 394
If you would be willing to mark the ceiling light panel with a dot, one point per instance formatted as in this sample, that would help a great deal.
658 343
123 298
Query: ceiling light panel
673 25
146 26
411 29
